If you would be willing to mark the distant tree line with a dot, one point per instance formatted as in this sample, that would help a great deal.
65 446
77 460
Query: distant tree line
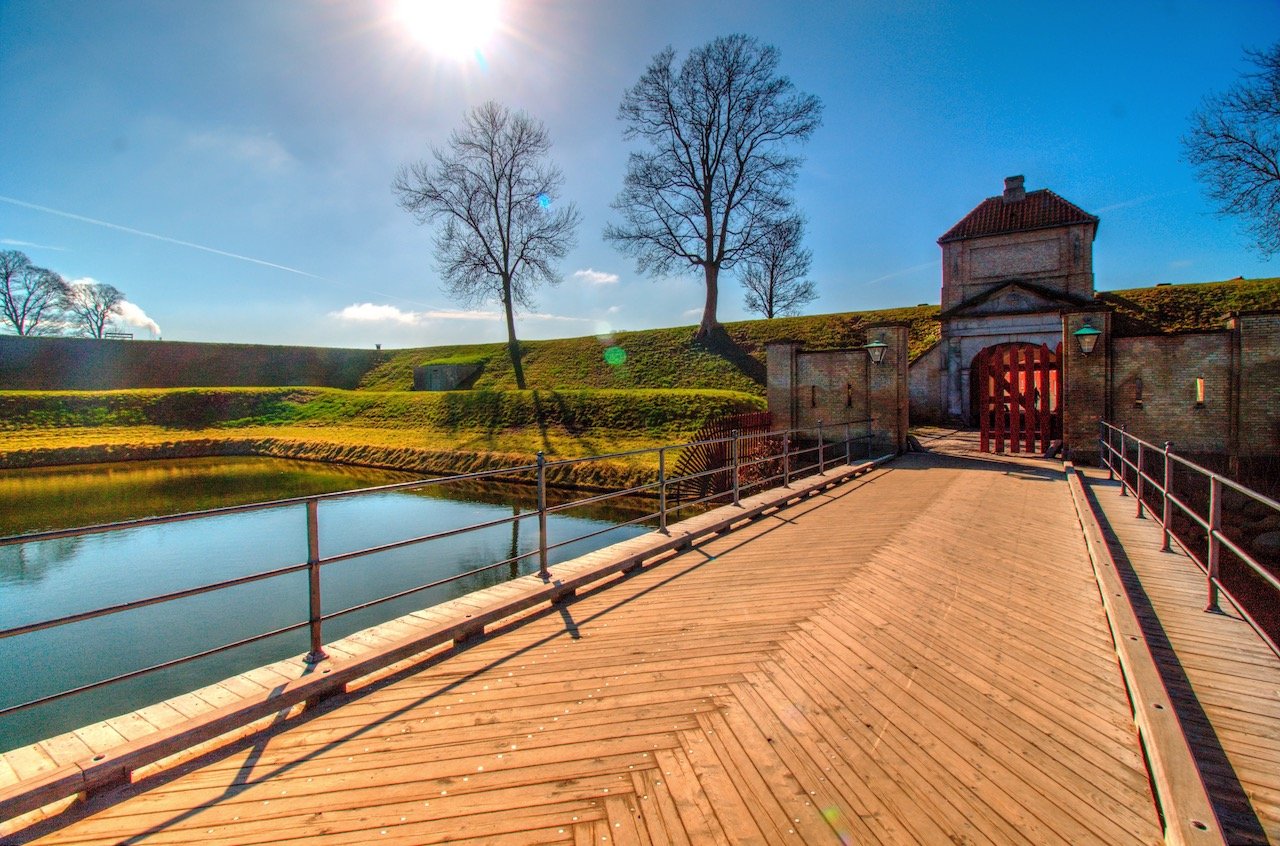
38 301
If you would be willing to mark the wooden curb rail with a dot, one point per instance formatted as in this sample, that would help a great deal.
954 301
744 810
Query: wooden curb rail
115 766
1188 815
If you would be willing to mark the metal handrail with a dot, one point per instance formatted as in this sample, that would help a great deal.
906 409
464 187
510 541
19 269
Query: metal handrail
1211 523
315 561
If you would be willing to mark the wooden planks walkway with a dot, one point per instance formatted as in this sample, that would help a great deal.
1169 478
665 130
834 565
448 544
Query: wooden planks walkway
885 663
1223 680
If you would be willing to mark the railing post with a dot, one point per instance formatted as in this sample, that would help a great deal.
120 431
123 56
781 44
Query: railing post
542 515
822 462
317 653
786 460
1138 485
736 491
1110 459
1123 432
848 457
1167 510
1215 546
662 490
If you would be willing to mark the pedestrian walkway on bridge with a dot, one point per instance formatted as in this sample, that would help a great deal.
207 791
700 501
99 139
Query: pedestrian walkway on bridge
917 656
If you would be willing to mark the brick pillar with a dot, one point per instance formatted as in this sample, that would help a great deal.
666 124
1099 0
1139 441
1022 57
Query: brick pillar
780 382
1086 385
888 394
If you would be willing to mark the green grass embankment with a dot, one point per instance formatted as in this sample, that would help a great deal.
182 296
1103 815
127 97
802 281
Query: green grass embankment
450 432
655 358
1165 309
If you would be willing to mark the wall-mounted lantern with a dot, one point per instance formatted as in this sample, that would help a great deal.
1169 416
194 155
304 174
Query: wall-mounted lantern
1087 338
876 349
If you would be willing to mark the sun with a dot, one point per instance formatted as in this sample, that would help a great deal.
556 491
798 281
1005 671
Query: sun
457 29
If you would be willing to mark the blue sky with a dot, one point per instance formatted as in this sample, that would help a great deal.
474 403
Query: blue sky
228 164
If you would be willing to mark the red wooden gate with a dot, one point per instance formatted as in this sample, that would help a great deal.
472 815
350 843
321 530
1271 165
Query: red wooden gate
1019 397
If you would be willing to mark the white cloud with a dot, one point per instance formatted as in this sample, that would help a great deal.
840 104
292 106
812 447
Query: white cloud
596 277
373 313
262 151
1178 264
691 312
613 309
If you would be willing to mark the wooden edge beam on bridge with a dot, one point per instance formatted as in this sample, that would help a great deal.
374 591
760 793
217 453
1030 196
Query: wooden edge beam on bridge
1184 805
117 765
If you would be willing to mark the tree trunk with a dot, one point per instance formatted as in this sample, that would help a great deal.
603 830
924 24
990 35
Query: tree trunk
513 346
709 323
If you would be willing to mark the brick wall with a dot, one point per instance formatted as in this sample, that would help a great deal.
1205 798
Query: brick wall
1259 382
1058 258
1155 389
805 388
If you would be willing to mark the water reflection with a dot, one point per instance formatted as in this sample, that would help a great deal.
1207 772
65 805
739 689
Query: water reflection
33 562
49 579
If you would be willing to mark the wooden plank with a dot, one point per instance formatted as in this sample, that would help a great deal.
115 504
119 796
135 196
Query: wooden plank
1188 814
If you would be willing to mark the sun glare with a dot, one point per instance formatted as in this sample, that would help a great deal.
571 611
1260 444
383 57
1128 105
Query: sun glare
457 29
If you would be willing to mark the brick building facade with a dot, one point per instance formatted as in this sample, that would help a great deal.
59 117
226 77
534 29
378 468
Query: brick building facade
1017 271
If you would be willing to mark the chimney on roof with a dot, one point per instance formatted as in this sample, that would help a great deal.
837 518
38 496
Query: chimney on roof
1013 190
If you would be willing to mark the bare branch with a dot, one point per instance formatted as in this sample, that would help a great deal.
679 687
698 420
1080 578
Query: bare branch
717 167
491 193
1234 144
774 276
31 297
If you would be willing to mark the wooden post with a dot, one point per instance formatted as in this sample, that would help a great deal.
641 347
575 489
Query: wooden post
1044 381
317 653
1215 545
1168 492
542 516
984 405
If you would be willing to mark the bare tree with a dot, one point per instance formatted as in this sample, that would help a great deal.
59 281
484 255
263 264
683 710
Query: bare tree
494 192
774 277
32 296
91 305
1234 144
718 167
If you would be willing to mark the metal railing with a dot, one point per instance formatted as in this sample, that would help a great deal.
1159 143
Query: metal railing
793 463
1133 461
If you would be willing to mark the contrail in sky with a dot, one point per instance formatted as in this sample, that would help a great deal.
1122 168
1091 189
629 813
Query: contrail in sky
156 237
214 250
904 271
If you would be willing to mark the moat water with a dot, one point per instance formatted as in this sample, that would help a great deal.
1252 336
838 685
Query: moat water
53 578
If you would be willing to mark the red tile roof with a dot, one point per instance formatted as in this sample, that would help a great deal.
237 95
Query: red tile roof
1039 209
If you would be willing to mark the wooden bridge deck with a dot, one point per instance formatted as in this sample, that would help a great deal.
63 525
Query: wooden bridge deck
1222 678
919 656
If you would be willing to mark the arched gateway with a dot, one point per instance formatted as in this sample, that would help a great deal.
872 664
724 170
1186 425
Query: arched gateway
1016 396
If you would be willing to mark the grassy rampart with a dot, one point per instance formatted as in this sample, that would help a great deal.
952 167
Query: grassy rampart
448 432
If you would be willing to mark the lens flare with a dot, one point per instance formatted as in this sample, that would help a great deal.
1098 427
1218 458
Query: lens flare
613 356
